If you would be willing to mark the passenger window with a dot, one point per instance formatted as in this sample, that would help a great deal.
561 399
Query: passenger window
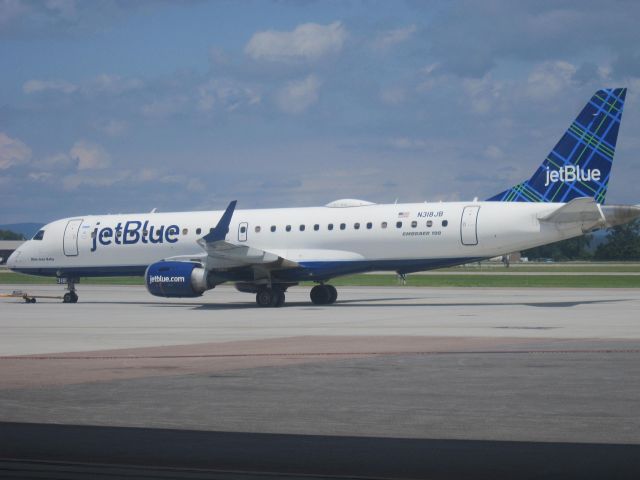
257 229
302 227
356 226
316 227
445 223
398 224
343 226
330 226
414 224
383 224
198 231
288 228
273 228
185 231
369 225
429 223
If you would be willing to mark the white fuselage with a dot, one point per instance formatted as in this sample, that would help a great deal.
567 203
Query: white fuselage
403 237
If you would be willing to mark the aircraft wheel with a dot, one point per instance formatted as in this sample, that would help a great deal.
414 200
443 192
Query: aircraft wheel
70 297
267 297
333 293
320 295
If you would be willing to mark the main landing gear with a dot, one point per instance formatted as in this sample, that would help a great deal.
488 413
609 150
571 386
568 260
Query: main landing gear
275 296
324 294
270 297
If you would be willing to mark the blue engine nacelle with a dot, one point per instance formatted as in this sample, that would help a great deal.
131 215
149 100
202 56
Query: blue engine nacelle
176 279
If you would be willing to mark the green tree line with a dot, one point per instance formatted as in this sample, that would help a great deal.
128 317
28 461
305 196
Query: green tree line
9 235
621 243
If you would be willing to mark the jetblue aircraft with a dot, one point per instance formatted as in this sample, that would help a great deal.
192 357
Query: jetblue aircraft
264 252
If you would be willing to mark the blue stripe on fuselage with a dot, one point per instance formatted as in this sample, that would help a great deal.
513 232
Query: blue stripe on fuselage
316 270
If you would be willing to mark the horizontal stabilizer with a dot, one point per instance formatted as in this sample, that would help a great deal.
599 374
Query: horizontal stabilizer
579 210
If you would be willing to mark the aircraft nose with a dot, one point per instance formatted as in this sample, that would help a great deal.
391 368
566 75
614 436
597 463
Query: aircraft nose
13 258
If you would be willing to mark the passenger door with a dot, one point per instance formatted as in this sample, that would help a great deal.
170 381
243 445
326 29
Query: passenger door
469 225
70 240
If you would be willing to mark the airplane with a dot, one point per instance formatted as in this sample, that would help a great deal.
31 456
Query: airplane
266 251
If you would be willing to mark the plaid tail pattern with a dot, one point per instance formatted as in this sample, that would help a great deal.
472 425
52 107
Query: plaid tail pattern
580 164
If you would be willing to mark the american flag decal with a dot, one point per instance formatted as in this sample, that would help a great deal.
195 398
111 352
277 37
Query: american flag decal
403 215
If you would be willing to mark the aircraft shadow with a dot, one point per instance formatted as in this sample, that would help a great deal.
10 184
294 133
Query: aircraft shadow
390 302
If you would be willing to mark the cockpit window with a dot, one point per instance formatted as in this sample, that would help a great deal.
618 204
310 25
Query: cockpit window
39 235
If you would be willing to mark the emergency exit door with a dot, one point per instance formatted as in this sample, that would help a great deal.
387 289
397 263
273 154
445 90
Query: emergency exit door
70 241
243 228
469 225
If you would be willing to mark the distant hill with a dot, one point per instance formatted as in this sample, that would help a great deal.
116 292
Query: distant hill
26 229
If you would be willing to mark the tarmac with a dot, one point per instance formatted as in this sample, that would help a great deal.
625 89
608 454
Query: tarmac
479 372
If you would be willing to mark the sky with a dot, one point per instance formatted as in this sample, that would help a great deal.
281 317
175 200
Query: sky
114 106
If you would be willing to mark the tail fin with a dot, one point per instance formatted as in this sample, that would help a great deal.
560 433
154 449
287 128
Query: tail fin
580 164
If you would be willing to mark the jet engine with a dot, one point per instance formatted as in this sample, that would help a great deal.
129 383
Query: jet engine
176 279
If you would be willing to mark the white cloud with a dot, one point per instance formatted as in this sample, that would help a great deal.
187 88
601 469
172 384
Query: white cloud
549 78
102 84
393 96
112 127
113 84
195 185
11 10
165 107
493 152
226 95
75 180
483 93
67 9
89 156
12 152
57 161
405 143
38 86
308 41
40 176
297 96
391 38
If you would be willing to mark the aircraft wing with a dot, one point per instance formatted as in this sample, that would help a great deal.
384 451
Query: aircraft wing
223 254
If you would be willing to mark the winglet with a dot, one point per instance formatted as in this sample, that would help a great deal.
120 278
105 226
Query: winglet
222 228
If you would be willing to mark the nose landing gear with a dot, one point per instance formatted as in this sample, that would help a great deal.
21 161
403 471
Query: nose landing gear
71 296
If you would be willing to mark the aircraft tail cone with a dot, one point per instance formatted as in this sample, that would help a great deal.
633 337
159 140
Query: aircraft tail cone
619 214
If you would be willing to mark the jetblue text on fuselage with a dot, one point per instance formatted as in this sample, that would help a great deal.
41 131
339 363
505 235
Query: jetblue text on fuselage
134 231
571 173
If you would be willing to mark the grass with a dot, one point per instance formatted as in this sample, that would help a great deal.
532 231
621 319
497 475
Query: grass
503 281
551 268
390 280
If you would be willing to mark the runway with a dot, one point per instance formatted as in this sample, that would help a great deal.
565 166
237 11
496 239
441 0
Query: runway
430 365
